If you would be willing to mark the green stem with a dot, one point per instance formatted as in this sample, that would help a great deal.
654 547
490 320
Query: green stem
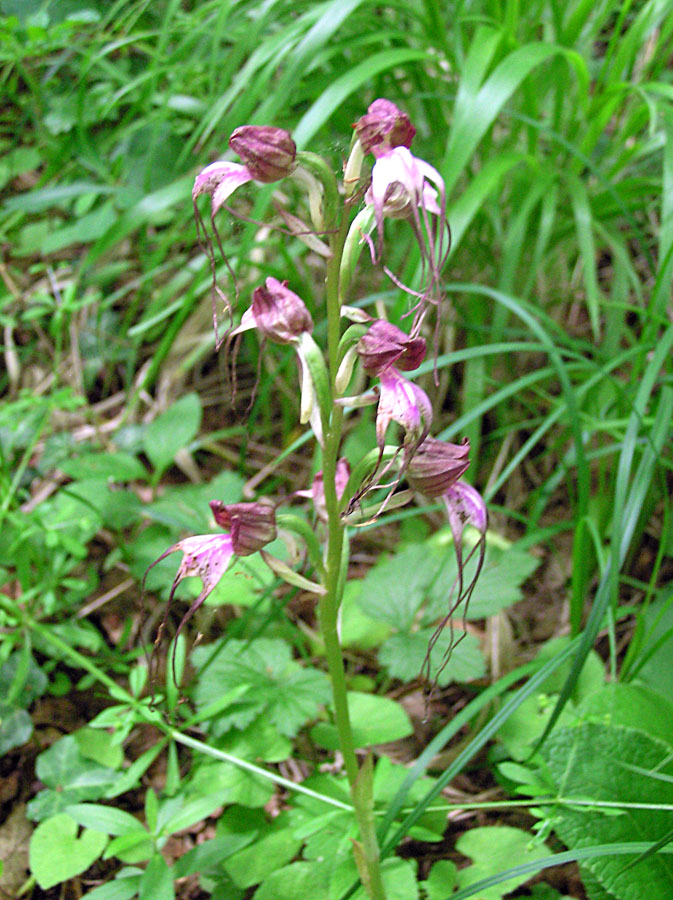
328 605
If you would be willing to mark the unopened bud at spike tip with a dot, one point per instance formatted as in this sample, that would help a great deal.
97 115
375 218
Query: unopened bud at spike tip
384 126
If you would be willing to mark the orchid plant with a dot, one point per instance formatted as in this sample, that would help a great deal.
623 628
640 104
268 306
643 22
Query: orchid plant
342 217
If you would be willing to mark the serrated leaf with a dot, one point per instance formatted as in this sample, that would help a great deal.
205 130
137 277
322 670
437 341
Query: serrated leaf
403 655
504 570
173 430
394 589
286 693
57 853
614 763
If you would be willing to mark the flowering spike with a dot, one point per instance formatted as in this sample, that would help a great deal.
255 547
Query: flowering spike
382 127
251 525
385 345
268 152
437 465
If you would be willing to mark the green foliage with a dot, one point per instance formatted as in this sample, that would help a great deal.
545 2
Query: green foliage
57 852
412 591
375 720
623 766
69 778
276 687
492 850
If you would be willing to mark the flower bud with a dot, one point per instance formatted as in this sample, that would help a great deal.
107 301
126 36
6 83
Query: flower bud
437 465
382 127
267 152
279 313
251 525
385 345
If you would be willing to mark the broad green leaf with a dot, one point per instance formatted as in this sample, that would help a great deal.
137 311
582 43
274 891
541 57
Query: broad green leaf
210 855
590 679
96 745
374 720
172 431
113 466
259 741
655 660
192 811
614 764
493 849
498 587
441 880
399 879
357 628
106 819
280 689
275 847
394 588
44 198
633 706
299 879
57 853
70 778
156 882
404 654
33 681
185 508
120 888
18 161
527 723
16 727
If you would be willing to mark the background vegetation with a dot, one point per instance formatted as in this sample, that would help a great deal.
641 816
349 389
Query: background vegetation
552 125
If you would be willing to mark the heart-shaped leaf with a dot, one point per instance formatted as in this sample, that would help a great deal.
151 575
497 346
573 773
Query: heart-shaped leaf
57 853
